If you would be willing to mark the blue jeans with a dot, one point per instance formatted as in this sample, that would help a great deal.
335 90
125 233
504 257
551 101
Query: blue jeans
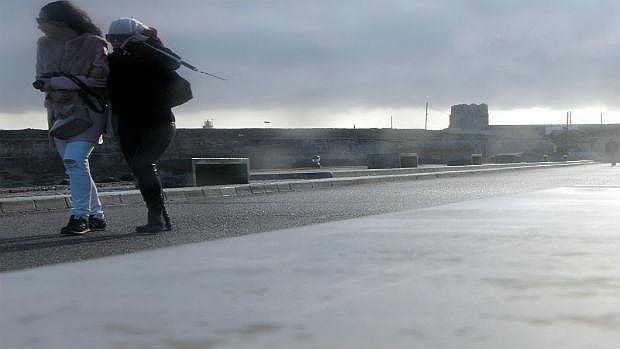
84 196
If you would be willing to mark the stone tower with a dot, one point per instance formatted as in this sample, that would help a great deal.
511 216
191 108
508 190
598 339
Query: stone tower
472 117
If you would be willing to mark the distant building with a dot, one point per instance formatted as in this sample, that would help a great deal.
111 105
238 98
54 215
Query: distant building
469 117
209 124
532 141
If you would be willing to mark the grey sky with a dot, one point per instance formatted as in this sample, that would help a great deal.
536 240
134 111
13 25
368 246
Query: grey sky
339 55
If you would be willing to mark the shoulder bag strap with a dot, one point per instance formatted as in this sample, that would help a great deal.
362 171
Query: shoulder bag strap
99 104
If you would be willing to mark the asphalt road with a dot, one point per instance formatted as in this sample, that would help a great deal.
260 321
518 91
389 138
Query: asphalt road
31 240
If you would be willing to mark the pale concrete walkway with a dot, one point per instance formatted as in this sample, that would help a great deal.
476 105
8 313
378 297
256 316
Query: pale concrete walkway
539 270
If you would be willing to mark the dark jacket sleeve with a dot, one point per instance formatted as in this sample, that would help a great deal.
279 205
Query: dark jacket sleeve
152 57
139 81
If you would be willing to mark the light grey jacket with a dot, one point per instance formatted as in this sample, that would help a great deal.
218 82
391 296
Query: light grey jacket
85 57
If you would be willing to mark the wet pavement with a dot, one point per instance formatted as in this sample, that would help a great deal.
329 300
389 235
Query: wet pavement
275 175
538 269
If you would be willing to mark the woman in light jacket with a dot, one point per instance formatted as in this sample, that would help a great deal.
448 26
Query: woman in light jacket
72 44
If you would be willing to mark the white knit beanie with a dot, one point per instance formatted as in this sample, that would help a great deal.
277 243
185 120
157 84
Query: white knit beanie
126 26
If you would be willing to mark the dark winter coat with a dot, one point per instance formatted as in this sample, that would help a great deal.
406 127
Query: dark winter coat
136 85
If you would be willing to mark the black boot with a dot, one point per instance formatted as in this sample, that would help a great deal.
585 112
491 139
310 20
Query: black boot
158 218
167 223
155 224
153 195
158 221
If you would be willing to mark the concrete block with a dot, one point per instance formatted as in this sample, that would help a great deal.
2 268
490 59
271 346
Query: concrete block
324 185
397 178
429 159
243 190
459 160
257 188
424 176
212 192
368 180
451 174
204 171
476 159
345 182
195 193
385 172
301 186
109 200
383 179
175 195
278 176
284 187
271 188
507 158
131 197
228 191
182 194
51 203
18 205
409 160
383 161
357 181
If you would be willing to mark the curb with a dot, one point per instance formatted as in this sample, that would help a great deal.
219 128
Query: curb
59 202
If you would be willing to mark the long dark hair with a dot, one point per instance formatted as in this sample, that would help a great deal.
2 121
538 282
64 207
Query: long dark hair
75 18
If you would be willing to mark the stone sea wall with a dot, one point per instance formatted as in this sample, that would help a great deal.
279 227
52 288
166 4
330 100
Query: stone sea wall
27 159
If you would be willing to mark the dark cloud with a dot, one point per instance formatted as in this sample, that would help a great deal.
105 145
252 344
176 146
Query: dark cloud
374 54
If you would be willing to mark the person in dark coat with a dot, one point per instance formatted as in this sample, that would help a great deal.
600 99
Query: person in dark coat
146 124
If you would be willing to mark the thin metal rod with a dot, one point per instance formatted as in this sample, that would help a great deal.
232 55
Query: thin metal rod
184 63
426 117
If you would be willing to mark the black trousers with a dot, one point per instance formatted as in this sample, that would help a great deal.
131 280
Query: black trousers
142 148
